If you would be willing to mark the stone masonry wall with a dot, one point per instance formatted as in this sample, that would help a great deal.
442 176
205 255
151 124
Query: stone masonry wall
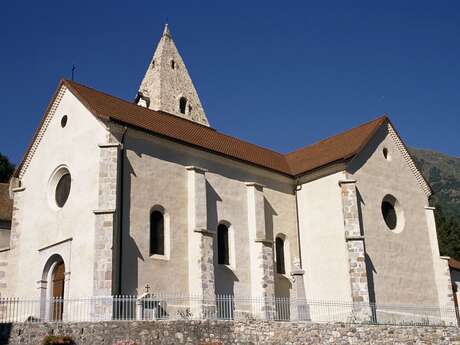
4 256
355 242
207 266
356 250
15 237
227 332
105 219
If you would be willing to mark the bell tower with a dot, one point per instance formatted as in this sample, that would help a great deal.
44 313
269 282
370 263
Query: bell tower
167 86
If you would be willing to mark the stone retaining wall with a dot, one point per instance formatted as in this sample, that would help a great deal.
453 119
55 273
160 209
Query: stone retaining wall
227 332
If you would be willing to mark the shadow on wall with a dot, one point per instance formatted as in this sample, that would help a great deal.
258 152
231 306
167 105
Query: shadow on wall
224 277
370 268
270 213
212 198
361 159
130 250
283 284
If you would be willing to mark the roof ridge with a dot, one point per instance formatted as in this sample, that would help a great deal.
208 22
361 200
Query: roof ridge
175 128
174 116
380 117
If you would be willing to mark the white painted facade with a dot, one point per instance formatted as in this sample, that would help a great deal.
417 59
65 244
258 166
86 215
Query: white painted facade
42 228
322 239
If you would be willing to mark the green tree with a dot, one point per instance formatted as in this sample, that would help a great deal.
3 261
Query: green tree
448 233
6 169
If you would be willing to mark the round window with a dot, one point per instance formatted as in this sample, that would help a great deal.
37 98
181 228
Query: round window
59 187
392 213
63 189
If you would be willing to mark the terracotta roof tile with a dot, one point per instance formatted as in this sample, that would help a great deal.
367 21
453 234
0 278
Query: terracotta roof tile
340 147
6 204
174 127
336 148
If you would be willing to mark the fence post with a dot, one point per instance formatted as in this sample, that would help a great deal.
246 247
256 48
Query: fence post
139 308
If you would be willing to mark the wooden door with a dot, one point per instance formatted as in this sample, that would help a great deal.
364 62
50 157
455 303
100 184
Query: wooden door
58 291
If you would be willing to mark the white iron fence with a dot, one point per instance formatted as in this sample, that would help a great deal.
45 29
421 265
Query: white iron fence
157 306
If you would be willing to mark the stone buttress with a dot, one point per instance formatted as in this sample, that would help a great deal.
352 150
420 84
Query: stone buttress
105 219
200 241
261 251
356 250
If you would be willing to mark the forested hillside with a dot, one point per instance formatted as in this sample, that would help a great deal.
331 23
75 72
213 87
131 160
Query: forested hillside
6 168
443 174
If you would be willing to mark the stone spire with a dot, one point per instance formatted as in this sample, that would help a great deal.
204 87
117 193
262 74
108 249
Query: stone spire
167 85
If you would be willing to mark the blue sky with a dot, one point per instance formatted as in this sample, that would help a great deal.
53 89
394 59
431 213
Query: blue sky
279 74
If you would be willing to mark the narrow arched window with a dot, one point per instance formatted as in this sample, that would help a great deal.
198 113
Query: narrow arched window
157 233
279 247
182 105
222 245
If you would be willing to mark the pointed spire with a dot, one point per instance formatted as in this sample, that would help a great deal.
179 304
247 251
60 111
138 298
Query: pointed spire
166 31
167 86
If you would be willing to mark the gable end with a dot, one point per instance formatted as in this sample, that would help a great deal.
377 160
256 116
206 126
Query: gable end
52 107
410 162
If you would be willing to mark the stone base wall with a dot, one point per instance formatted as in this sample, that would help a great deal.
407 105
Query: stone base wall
4 255
227 332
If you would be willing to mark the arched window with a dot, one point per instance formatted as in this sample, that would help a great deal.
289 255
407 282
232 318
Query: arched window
157 233
222 245
182 105
279 247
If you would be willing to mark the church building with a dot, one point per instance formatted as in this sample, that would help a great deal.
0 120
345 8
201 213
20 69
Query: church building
113 195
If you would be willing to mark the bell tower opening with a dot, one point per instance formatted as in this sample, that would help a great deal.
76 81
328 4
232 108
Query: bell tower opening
182 105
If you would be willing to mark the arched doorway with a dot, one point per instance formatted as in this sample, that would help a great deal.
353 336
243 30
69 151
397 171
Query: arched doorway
58 280
52 288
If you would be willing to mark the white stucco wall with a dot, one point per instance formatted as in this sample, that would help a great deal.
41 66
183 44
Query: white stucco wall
322 239
400 264
45 229
155 174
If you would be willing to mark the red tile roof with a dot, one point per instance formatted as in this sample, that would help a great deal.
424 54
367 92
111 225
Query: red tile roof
337 148
333 149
